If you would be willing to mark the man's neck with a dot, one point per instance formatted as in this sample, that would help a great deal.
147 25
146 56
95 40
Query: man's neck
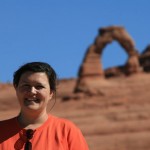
32 121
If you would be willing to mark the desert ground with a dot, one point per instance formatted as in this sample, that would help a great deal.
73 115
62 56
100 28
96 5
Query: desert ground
116 119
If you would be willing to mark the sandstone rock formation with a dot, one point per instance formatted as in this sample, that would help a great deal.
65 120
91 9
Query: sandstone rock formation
119 120
145 59
91 74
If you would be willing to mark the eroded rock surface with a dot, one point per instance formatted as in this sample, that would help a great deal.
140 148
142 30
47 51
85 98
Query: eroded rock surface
91 73
145 59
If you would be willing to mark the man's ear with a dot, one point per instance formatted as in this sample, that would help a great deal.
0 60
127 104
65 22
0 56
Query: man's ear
15 86
51 93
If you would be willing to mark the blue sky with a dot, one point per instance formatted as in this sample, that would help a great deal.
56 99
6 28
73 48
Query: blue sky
59 32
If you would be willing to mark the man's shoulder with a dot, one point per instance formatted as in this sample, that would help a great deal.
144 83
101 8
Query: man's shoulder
62 122
7 122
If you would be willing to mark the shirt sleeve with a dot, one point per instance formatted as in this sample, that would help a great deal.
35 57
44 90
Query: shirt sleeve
76 140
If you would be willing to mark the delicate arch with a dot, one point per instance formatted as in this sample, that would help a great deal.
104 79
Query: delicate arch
91 72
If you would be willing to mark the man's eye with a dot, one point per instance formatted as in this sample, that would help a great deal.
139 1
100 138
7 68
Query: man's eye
26 85
39 87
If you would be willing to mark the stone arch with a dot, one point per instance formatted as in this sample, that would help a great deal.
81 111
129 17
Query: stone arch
91 73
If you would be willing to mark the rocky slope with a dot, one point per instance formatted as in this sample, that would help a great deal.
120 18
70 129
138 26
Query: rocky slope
117 118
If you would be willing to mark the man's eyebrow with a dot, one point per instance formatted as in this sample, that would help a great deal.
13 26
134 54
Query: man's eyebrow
24 81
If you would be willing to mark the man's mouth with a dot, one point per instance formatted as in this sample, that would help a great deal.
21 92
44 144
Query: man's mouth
30 100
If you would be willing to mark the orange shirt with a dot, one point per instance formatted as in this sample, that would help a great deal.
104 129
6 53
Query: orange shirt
54 134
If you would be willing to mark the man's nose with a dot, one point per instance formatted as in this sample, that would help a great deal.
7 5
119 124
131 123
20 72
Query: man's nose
33 90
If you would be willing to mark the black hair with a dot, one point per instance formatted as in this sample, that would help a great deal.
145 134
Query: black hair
37 67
